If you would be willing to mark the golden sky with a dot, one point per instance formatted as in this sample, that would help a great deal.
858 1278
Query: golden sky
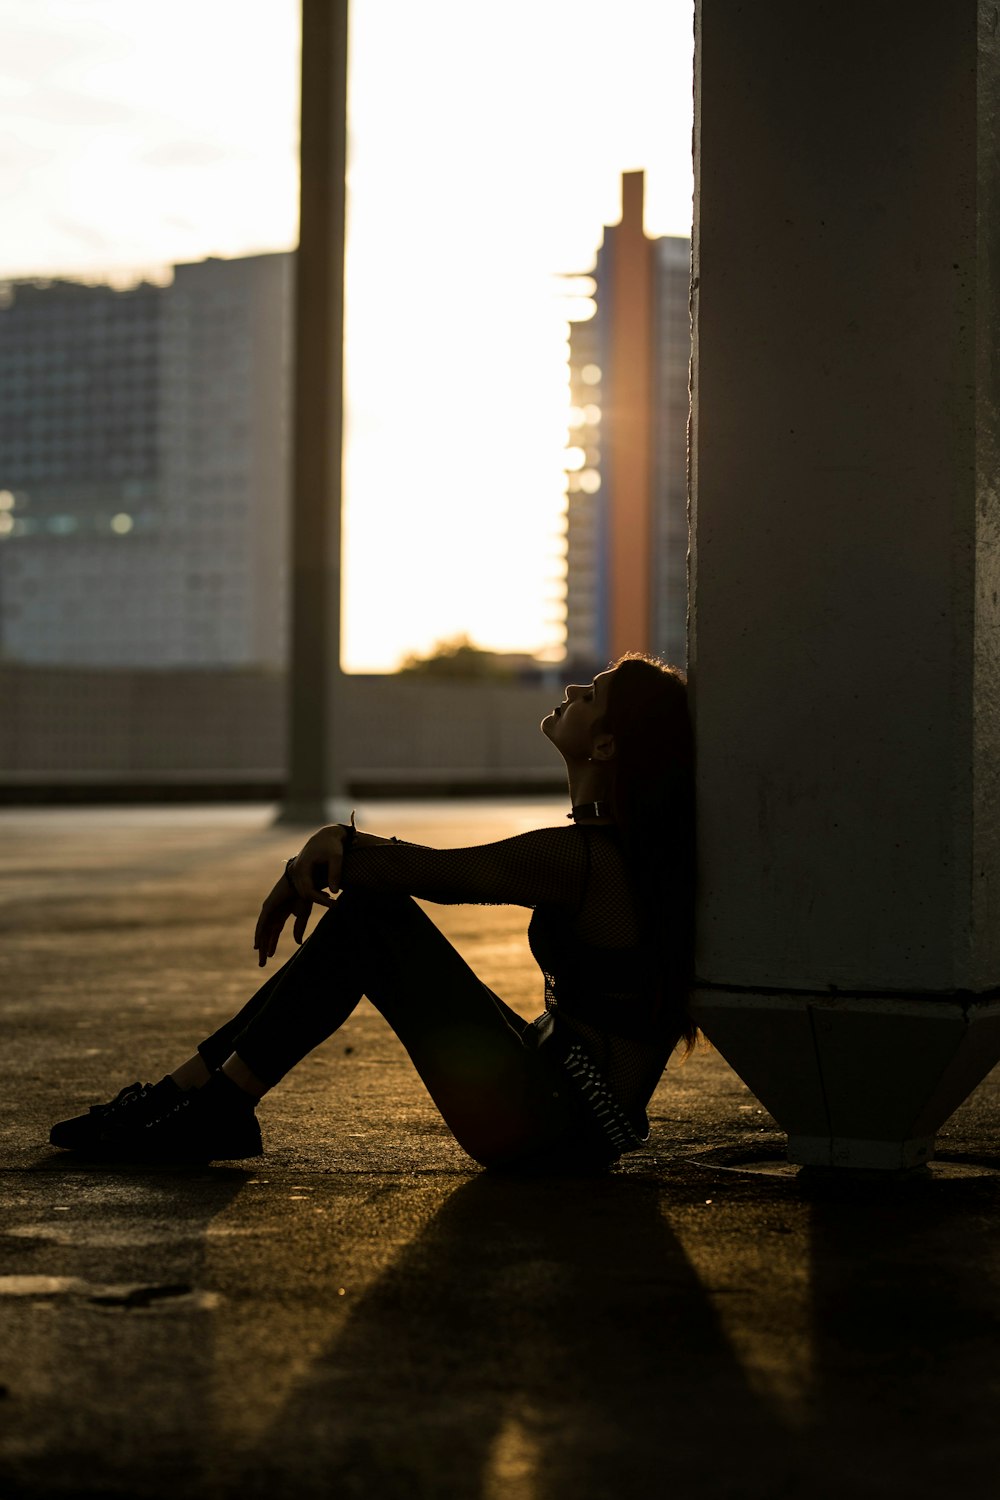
486 147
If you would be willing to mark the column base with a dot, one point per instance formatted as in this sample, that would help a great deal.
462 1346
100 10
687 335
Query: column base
856 1082
856 1153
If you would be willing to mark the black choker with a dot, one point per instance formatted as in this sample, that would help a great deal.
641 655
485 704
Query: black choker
590 810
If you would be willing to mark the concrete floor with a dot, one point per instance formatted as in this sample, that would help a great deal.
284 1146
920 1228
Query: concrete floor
362 1313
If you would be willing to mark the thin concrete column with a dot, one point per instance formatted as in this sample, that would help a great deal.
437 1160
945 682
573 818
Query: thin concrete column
315 682
845 573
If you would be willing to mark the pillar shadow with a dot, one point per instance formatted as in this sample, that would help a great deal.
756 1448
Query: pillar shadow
545 1338
905 1292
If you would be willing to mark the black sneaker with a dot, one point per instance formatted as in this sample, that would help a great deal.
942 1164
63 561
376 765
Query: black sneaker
134 1104
213 1123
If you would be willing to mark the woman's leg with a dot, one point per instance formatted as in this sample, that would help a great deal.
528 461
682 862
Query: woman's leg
465 1043
299 981
312 1003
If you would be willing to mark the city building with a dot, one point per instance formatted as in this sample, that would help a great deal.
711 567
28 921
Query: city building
144 469
626 520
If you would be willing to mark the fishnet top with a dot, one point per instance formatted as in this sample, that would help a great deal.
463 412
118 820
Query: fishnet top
584 931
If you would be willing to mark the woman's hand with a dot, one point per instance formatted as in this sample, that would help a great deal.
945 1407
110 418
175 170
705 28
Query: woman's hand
309 877
315 870
280 903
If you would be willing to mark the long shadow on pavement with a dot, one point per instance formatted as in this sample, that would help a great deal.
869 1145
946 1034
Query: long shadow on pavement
557 1339
537 1338
905 1297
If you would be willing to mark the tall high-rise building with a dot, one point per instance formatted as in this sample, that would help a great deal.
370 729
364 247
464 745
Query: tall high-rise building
626 523
144 457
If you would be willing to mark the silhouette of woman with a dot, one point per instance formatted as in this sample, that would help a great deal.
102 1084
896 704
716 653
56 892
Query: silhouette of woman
612 898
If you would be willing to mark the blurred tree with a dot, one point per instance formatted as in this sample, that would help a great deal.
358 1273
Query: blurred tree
459 657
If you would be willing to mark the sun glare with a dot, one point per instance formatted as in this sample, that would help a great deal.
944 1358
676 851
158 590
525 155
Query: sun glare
472 226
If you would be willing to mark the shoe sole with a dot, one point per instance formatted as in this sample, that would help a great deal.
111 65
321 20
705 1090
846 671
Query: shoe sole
113 1152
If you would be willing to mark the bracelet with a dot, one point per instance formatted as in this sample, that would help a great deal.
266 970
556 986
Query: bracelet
288 871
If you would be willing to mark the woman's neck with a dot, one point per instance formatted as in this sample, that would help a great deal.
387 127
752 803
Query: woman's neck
589 784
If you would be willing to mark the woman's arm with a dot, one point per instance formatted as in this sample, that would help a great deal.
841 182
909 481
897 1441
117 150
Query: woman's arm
544 867
547 866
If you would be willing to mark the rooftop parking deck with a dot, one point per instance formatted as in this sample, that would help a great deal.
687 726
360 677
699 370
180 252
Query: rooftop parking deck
364 1313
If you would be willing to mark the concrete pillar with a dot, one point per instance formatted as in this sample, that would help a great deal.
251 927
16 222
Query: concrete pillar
315 775
846 562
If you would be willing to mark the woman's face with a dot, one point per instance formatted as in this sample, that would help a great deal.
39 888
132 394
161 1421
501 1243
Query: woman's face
573 725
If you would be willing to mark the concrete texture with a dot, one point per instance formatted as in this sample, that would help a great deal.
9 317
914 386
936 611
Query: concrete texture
845 559
362 1313
845 578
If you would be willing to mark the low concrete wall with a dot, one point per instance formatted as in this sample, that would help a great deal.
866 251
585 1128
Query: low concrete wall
407 729
120 729
59 722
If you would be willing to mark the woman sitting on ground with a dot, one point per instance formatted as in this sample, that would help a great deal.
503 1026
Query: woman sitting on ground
612 898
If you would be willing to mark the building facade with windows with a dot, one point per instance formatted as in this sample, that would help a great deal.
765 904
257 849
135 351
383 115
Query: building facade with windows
144 469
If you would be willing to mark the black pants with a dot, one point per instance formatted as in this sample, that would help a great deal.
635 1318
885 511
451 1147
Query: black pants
501 1100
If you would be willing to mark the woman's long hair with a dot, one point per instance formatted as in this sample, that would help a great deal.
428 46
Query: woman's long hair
653 803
